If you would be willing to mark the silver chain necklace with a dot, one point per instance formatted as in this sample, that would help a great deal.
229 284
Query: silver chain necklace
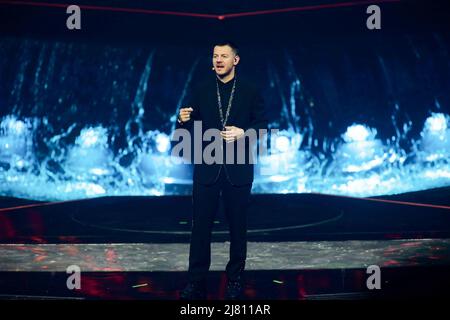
219 102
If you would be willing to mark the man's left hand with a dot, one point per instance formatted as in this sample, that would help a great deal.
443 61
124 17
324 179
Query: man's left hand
232 133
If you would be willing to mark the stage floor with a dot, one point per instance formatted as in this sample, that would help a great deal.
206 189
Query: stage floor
301 246
173 257
275 270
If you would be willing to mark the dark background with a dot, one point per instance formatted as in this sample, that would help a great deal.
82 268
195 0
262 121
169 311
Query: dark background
346 73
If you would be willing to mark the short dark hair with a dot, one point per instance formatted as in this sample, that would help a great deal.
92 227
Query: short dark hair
231 44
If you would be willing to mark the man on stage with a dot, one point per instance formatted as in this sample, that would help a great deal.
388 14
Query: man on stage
230 104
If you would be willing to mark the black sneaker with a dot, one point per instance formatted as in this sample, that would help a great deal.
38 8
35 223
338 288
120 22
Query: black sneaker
193 291
235 290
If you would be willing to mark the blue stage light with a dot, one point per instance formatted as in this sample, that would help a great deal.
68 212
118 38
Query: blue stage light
15 141
435 141
162 142
282 143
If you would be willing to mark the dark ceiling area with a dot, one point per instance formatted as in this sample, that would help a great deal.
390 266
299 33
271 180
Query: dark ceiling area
189 21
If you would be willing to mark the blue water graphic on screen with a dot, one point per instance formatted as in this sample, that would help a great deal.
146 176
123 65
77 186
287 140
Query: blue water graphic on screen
82 121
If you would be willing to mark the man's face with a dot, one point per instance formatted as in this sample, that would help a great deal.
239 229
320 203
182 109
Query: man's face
224 60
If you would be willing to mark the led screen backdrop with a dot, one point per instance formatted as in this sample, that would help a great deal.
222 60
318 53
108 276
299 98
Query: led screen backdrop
359 112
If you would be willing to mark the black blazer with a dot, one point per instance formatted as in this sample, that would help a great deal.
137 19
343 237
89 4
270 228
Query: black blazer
247 111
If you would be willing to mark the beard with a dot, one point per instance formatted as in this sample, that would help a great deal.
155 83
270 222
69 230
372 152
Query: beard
223 73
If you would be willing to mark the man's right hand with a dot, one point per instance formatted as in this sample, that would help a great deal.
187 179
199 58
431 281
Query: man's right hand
185 114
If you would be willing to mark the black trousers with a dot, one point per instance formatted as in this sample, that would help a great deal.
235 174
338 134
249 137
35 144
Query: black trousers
206 202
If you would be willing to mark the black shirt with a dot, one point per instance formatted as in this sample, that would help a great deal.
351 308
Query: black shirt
225 94
247 112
